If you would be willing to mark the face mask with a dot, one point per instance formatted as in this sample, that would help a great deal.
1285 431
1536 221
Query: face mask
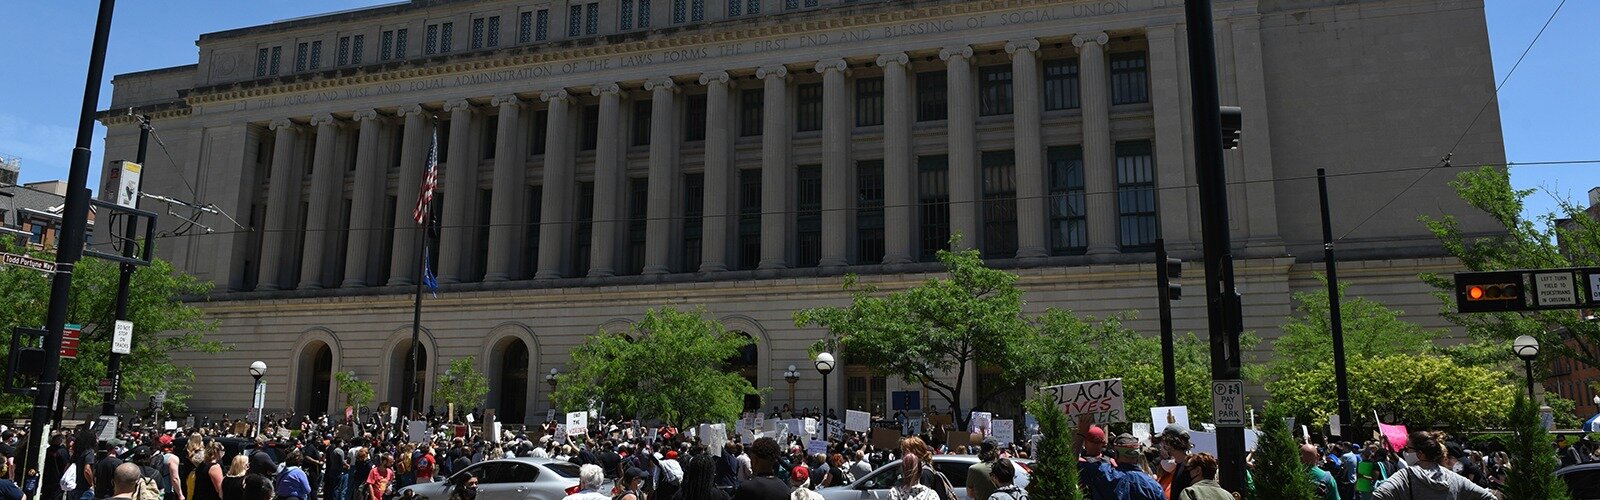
1456 468
1411 457
1169 465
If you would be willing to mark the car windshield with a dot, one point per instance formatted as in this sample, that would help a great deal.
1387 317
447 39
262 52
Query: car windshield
563 469
1583 483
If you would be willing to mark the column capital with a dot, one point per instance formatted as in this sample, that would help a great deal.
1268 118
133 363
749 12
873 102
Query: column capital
835 64
895 58
365 114
505 99
555 95
667 83
719 77
1162 31
1099 38
1030 45
776 71
454 105
605 88
281 123
962 51
320 119
411 109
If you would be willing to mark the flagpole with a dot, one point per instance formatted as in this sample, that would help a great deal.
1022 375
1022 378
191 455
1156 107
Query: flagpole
423 215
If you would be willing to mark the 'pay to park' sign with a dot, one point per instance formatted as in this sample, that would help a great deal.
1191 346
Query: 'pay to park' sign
1101 399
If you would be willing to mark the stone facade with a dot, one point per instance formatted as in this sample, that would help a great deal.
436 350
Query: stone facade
1054 135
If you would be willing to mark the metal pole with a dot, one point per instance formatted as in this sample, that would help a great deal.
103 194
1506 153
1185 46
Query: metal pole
69 245
826 436
1223 313
1527 365
1341 375
260 408
125 279
1169 371
406 399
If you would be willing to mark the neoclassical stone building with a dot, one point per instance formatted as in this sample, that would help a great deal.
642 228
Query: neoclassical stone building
598 158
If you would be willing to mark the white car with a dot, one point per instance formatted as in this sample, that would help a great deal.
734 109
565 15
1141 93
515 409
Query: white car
510 479
876 485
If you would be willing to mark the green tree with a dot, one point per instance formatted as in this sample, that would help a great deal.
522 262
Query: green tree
670 366
1422 389
1055 475
163 323
1533 461
1279 475
1524 244
1370 330
463 385
929 333
357 392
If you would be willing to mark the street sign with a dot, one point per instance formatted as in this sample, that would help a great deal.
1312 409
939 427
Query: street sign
69 341
127 194
12 259
122 337
1556 289
105 386
1227 403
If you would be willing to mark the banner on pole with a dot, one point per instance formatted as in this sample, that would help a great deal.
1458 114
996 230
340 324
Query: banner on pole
1102 400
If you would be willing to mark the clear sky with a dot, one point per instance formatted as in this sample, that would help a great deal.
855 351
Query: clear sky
1549 109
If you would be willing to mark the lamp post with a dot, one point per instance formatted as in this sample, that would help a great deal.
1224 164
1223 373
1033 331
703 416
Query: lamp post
825 366
257 370
551 379
792 376
1527 348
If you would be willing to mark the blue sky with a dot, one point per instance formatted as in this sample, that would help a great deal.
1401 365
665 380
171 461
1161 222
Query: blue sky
1549 109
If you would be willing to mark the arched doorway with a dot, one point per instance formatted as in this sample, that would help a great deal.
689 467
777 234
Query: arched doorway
747 362
315 379
403 363
512 381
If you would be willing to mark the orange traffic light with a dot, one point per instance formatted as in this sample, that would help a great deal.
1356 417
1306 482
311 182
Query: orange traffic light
1499 291
1475 293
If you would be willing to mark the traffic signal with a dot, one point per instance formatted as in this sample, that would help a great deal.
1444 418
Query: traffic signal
1232 121
1501 291
1490 292
1174 270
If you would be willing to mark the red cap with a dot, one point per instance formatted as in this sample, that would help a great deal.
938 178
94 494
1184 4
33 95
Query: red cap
799 475
1097 434
672 454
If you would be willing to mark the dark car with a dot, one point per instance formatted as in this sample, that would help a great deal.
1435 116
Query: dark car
1582 479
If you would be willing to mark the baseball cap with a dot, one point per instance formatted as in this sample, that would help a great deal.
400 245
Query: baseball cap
1096 434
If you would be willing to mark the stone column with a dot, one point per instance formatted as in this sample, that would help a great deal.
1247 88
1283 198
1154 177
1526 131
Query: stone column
1099 165
837 123
663 175
774 167
460 183
281 201
899 167
558 186
322 217
718 180
963 145
1166 103
510 181
1029 149
366 204
609 182
417 142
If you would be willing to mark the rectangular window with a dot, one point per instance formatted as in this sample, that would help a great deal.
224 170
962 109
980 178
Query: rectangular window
300 53
625 14
477 33
574 20
400 43
680 11
808 107
752 7
1060 84
491 136
591 18
541 27
1136 196
540 122
933 201
734 7
644 14
999 204
811 3
344 50
525 27
697 10
494 31
531 244
750 107
694 195
480 241
869 102
694 118
261 62
444 144
580 244
791 4
357 47
446 37
431 45
277 55
749 218
591 126
641 123
1129 82
931 96
1068 225
638 207
869 212
994 90
808 216
316 55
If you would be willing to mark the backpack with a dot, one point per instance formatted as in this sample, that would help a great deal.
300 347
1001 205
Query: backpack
1010 493
147 490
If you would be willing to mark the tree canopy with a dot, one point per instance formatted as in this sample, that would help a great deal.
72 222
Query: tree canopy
463 385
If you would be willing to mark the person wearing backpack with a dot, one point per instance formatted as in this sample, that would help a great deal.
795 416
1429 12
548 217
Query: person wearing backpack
292 483
166 466
1002 473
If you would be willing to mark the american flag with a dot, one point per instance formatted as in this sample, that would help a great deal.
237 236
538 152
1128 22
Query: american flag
430 180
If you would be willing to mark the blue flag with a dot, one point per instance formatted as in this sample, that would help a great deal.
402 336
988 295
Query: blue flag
427 275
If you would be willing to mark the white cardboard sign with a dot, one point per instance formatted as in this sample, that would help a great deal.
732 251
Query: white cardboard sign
857 421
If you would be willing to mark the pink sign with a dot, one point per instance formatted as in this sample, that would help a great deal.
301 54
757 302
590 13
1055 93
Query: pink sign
1395 435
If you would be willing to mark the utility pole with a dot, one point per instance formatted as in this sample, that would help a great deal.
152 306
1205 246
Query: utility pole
125 277
1164 296
69 247
1341 375
1223 310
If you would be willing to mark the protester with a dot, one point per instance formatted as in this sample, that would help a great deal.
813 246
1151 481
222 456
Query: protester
927 475
910 487
1175 445
1002 474
590 478
124 480
699 481
292 483
632 485
381 476
1327 487
1202 470
763 484
979 487
798 478
1424 479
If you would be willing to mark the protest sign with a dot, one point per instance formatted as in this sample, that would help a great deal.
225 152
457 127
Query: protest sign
715 436
857 421
885 439
939 420
1141 431
794 427
1203 442
913 426
1163 416
811 427
1003 431
417 431
170 425
980 422
817 446
1101 399
1251 437
1394 435
957 438
577 423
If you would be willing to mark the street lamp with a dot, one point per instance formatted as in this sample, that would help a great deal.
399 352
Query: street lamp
258 369
825 366
551 379
792 376
1527 348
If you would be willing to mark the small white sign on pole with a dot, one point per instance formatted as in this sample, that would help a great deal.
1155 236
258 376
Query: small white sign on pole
122 337
1227 403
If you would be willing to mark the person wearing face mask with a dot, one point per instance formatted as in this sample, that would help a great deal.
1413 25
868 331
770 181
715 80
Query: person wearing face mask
1175 445
1426 479
467 489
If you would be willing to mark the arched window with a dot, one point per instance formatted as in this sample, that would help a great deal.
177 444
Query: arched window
315 379
513 382
746 361
405 364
